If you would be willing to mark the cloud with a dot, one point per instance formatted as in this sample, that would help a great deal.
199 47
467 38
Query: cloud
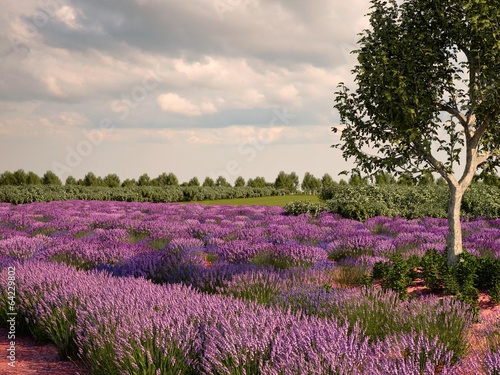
204 74
171 102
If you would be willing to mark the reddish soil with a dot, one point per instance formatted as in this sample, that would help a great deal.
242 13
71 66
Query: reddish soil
485 305
36 358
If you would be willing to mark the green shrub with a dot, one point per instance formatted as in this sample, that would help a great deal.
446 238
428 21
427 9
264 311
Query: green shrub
397 274
364 201
301 207
434 269
488 276
47 193
461 279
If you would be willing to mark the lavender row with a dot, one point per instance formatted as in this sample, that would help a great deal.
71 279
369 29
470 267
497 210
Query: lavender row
89 234
130 325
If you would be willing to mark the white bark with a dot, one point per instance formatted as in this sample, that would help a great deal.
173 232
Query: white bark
454 240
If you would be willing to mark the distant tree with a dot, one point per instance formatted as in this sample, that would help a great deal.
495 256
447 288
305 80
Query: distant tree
490 178
208 182
426 179
357 179
172 180
327 181
406 179
128 182
193 182
20 176
240 181
221 181
384 178
50 178
90 179
111 180
257 182
167 179
286 181
441 182
70 180
33 179
294 179
343 182
7 178
310 184
144 180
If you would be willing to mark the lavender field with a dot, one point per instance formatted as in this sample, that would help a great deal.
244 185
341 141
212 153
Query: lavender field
144 288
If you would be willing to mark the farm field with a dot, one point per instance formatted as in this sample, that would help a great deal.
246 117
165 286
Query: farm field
143 288
277 200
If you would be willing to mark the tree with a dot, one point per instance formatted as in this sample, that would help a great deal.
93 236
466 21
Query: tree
172 180
111 180
239 182
221 181
327 181
384 178
50 178
128 182
406 179
193 182
441 182
208 182
144 180
257 182
287 181
488 178
357 179
90 179
426 179
20 176
426 68
310 184
70 180
33 179
167 179
7 178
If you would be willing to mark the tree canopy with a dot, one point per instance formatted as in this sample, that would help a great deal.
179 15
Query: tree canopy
427 96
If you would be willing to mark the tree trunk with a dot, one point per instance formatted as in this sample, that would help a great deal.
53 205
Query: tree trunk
454 240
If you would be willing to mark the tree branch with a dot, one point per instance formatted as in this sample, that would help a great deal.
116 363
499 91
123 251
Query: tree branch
456 113
481 159
481 130
436 164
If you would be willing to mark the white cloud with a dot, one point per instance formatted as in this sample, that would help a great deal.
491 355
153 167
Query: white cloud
68 16
228 136
174 103
32 126
218 81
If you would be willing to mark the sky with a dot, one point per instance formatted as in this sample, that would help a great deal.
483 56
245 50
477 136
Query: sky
198 88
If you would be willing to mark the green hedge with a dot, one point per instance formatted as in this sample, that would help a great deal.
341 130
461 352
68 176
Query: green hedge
364 201
47 193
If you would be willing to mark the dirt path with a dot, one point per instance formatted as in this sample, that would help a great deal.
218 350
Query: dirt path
35 358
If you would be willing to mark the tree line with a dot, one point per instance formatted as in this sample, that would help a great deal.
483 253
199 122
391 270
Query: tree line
289 181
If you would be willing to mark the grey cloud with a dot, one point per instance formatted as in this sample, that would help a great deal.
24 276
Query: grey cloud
279 32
